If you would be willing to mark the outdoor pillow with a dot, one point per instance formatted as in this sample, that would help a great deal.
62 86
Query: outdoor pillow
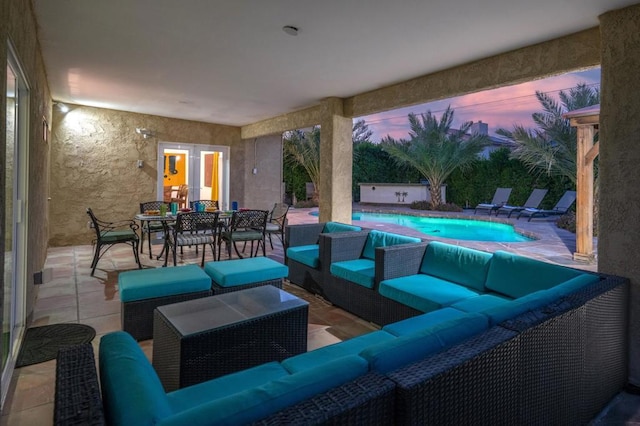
384 239
480 303
517 276
457 264
131 390
421 322
573 284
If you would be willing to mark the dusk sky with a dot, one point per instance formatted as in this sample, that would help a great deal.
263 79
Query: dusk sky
501 107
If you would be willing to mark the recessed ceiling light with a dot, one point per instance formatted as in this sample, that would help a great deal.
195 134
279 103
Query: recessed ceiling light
291 30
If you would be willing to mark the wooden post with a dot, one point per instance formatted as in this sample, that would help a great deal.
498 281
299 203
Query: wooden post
584 199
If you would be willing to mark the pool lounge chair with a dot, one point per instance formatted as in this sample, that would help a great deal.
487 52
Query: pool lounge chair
532 202
500 198
561 207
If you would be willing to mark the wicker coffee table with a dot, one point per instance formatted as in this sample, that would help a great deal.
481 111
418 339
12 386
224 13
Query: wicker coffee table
201 339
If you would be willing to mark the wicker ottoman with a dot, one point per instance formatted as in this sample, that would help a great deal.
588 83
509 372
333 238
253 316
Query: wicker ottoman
240 274
144 290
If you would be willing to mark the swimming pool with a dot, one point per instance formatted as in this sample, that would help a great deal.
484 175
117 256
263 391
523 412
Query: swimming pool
459 229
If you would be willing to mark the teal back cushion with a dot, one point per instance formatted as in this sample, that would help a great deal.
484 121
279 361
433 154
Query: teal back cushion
330 227
257 403
457 264
517 276
384 239
132 393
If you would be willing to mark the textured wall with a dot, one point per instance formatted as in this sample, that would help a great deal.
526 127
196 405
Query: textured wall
17 24
264 188
619 233
93 156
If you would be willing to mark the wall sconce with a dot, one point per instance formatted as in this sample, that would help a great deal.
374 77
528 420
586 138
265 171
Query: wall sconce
146 133
62 107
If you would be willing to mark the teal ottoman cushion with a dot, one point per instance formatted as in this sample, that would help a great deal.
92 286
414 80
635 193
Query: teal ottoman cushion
307 255
160 282
230 273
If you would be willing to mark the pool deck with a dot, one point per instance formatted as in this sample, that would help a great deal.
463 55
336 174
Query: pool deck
552 244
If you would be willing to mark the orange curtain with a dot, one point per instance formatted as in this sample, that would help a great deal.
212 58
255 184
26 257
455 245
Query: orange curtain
215 182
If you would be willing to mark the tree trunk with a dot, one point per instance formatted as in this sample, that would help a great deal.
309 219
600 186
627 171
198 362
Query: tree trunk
436 199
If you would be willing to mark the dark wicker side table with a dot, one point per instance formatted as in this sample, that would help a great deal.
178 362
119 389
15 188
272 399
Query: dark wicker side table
201 339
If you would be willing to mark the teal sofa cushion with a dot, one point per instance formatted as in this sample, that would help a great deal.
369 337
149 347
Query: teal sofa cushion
393 354
144 284
259 402
573 284
517 276
201 393
229 273
457 264
359 271
132 393
329 353
331 227
424 292
307 255
384 239
531 301
421 322
480 303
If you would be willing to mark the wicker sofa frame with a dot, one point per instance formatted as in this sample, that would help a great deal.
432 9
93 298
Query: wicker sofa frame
559 364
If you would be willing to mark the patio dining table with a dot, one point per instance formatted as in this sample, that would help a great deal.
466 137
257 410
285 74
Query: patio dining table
168 217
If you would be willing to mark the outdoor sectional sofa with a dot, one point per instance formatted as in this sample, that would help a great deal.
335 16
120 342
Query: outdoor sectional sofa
506 340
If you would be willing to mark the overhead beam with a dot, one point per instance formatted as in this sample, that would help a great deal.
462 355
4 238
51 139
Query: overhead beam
295 120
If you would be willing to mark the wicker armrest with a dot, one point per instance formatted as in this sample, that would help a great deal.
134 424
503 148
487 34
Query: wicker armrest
77 395
339 246
302 235
398 261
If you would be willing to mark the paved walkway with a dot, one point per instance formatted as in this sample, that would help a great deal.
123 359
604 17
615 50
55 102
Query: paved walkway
552 244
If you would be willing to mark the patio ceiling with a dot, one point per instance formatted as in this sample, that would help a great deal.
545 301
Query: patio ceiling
230 62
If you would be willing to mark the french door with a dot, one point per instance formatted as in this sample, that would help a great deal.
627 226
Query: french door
203 168
15 223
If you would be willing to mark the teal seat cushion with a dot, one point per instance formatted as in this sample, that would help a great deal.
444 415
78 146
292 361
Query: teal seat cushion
259 402
517 276
424 292
132 393
531 301
393 354
330 227
421 322
573 284
457 264
329 353
384 239
113 236
201 393
160 282
359 271
229 273
307 255
480 303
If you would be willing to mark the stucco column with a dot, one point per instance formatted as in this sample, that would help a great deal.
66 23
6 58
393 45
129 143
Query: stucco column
619 234
336 155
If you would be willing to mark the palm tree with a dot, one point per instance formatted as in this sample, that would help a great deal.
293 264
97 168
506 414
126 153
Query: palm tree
303 148
551 148
436 150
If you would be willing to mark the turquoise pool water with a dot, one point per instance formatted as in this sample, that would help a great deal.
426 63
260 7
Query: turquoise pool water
459 229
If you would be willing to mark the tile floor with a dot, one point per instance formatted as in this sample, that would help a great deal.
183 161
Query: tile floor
74 296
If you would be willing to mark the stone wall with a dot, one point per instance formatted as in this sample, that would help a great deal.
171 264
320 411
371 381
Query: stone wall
94 154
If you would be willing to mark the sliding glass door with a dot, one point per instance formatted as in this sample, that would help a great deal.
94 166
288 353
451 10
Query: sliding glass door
203 168
15 218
